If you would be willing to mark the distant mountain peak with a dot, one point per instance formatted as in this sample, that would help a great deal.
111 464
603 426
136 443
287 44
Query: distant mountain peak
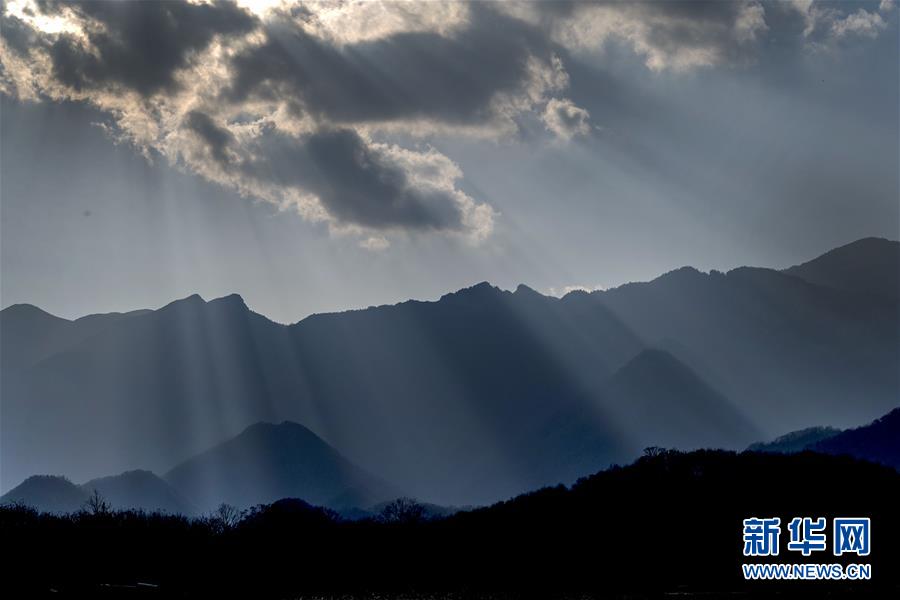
651 363
46 478
141 489
479 290
868 266
101 316
269 461
675 407
686 274
795 441
875 442
483 286
196 300
192 300
523 291
866 242
25 310
49 493
685 270
284 427
229 300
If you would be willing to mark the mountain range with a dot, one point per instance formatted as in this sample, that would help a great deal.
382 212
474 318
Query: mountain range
264 463
878 441
795 441
130 490
472 398
268 463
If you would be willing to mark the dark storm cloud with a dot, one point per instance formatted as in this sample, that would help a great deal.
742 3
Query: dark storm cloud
216 139
297 112
17 35
407 75
356 183
140 45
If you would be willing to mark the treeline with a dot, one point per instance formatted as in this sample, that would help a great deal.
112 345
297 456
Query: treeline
669 523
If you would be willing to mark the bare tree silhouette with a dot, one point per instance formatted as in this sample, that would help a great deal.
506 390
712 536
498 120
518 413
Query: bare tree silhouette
402 510
654 451
224 518
96 504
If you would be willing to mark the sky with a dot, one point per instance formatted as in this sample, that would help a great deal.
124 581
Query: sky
322 156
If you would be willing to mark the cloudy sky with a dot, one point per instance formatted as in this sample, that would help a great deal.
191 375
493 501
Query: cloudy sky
318 156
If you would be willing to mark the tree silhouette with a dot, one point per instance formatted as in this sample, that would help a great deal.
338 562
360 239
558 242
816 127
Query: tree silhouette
224 518
402 510
654 451
679 512
96 504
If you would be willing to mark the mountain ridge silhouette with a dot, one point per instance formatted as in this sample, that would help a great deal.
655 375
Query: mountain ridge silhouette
267 462
876 442
471 398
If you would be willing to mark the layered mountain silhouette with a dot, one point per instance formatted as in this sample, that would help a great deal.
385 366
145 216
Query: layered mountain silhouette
30 334
668 405
532 546
267 462
469 399
870 265
795 441
141 489
264 463
47 493
130 490
877 442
